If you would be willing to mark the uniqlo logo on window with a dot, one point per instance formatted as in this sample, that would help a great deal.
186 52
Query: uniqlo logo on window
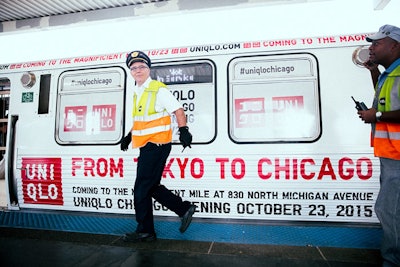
41 181
90 119
249 112
287 103
75 119
106 116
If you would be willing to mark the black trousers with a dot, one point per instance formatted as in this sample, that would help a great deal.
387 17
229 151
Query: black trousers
151 163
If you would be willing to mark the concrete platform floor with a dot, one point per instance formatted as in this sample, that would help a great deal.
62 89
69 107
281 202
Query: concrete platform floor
27 247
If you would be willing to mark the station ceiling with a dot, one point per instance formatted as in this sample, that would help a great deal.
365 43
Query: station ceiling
11 10
19 10
15 10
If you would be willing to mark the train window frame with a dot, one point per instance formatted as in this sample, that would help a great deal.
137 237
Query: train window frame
195 97
105 94
5 85
255 108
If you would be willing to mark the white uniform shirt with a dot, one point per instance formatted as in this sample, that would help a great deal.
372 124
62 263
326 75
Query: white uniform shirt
165 100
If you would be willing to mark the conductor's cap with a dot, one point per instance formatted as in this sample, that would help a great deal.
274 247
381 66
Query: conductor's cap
137 56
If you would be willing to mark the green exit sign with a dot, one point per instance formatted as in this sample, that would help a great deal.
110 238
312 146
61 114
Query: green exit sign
27 97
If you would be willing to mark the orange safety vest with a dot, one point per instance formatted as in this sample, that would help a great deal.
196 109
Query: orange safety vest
149 125
386 141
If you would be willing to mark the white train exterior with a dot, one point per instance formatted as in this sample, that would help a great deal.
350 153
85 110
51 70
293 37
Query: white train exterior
276 136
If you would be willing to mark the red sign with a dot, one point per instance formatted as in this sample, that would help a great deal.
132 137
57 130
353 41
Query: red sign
287 103
41 181
75 119
100 118
249 112
107 116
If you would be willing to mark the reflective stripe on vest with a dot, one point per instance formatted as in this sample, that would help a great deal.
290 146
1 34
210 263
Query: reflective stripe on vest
386 140
149 125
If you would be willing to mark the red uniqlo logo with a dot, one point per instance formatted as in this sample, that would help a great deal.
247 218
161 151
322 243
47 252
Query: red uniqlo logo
83 118
249 112
106 115
75 119
41 181
287 103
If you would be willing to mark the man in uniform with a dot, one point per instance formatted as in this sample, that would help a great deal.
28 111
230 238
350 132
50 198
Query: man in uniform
151 132
384 117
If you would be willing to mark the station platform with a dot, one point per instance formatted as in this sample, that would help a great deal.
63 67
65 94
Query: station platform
31 247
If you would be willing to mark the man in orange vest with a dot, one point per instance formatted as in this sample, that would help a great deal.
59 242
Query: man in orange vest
384 117
151 132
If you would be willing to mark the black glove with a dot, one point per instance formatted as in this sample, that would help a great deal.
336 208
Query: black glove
126 141
185 137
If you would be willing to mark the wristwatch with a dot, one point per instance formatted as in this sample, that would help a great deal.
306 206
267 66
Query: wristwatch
378 116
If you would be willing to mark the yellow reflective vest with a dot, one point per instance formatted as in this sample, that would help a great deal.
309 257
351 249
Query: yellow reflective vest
386 139
149 125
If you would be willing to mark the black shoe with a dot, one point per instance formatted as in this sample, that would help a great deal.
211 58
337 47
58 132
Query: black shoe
139 237
187 218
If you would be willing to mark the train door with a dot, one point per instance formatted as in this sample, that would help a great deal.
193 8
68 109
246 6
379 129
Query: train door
4 104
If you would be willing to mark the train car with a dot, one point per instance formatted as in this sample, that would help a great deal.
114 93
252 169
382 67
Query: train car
276 136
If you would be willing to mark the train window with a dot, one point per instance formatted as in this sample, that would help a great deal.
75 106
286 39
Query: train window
90 106
193 84
4 105
44 93
274 98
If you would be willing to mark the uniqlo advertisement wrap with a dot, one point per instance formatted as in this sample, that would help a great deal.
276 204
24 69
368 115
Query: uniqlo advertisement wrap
269 142
299 187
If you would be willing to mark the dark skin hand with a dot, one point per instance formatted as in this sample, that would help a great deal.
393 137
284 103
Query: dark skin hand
373 68
369 116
